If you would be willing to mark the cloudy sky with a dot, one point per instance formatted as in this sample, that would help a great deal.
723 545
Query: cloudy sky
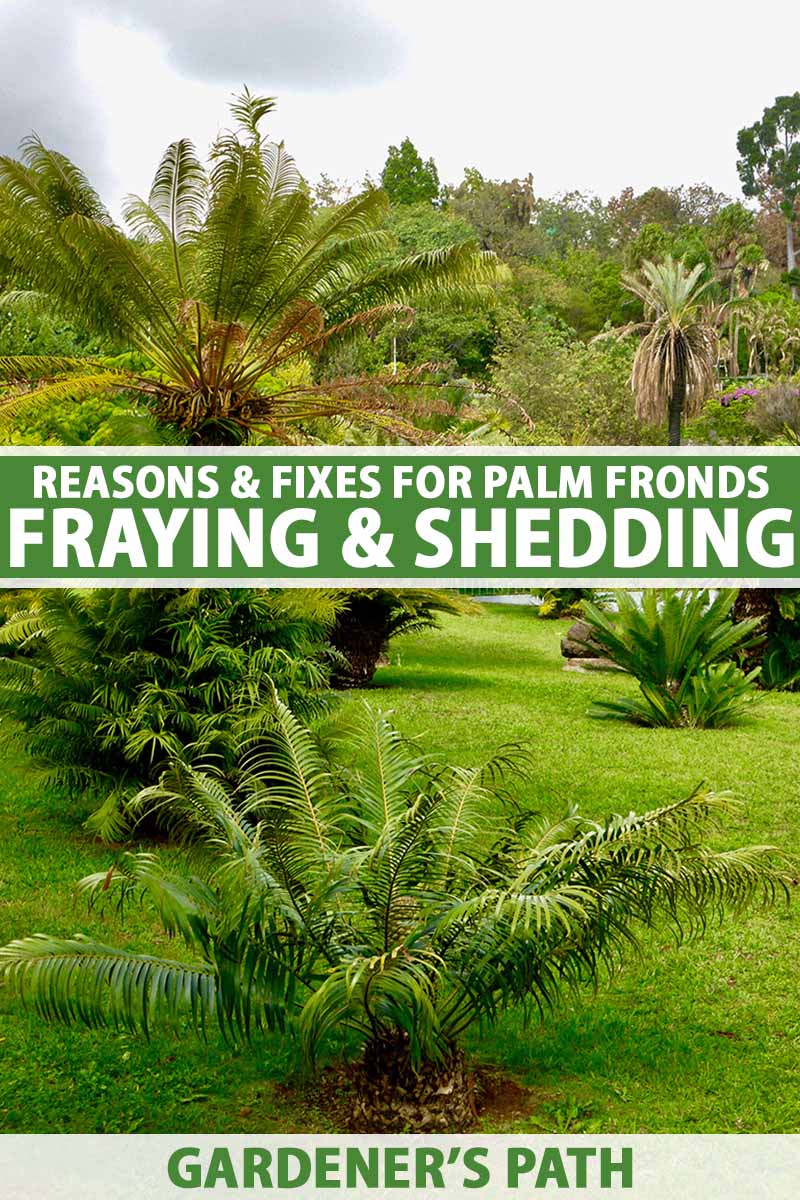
583 94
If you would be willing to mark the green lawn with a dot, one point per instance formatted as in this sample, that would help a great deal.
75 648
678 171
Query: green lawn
699 1038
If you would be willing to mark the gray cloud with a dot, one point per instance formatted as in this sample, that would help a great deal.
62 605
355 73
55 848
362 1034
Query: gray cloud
313 44
268 44
40 86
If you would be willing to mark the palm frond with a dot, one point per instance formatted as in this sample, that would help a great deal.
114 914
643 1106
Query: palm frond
79 980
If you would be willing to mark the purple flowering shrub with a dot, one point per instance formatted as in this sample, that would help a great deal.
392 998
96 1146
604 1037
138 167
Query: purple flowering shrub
725 420
775 412
752 414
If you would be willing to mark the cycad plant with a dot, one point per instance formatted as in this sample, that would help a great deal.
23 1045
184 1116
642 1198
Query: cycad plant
370 618
392 905
680 645
100 688
230 285
674 370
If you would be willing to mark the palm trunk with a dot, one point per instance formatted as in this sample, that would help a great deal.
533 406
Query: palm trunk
676 402
394 1096
736 337
757 602
361 637
791 261
733 365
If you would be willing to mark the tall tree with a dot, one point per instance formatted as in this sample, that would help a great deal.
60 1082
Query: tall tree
407 179
769 162
502 213
230 282
674 367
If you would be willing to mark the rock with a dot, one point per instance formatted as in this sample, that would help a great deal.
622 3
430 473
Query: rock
577 642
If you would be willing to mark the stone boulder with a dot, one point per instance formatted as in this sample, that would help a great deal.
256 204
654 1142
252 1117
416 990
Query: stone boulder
582 652
577 642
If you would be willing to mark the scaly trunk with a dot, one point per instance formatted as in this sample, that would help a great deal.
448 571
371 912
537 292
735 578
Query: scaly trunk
676 402
361 636
391 1096
756 602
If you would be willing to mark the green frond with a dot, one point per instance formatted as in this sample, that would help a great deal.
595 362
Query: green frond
399 899
678 644
179 192
186 906
140 428
18 368
67 189
72 387
249 110
395 990
79 980
380 785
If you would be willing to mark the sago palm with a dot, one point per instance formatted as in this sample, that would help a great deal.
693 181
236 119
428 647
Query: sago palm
675 365
394 904
370 618
230 286
679 643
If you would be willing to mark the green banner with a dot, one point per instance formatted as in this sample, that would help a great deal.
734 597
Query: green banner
421 517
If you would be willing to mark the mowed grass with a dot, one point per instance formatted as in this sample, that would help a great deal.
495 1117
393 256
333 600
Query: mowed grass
704 1037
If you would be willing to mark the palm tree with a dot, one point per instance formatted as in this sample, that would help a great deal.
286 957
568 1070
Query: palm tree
390 907
675 365
370 618
230 285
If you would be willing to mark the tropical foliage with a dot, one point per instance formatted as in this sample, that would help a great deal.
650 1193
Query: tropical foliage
549 388
395 904
675 363
262 308
556 603
230 276
100 688
778 654
679 645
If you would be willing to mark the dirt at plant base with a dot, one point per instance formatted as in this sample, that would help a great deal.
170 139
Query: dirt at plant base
500 1100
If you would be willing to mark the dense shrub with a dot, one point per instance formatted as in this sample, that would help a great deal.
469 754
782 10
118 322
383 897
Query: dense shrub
726 419
100 687
678 644
775 410
564 602
553 389
778 654
69 423
26 330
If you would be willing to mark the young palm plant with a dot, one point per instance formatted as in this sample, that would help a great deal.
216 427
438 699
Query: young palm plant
231 280
395 904
674 370
679 644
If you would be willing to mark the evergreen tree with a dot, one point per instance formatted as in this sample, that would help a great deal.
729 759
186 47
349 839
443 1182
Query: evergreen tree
406 178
